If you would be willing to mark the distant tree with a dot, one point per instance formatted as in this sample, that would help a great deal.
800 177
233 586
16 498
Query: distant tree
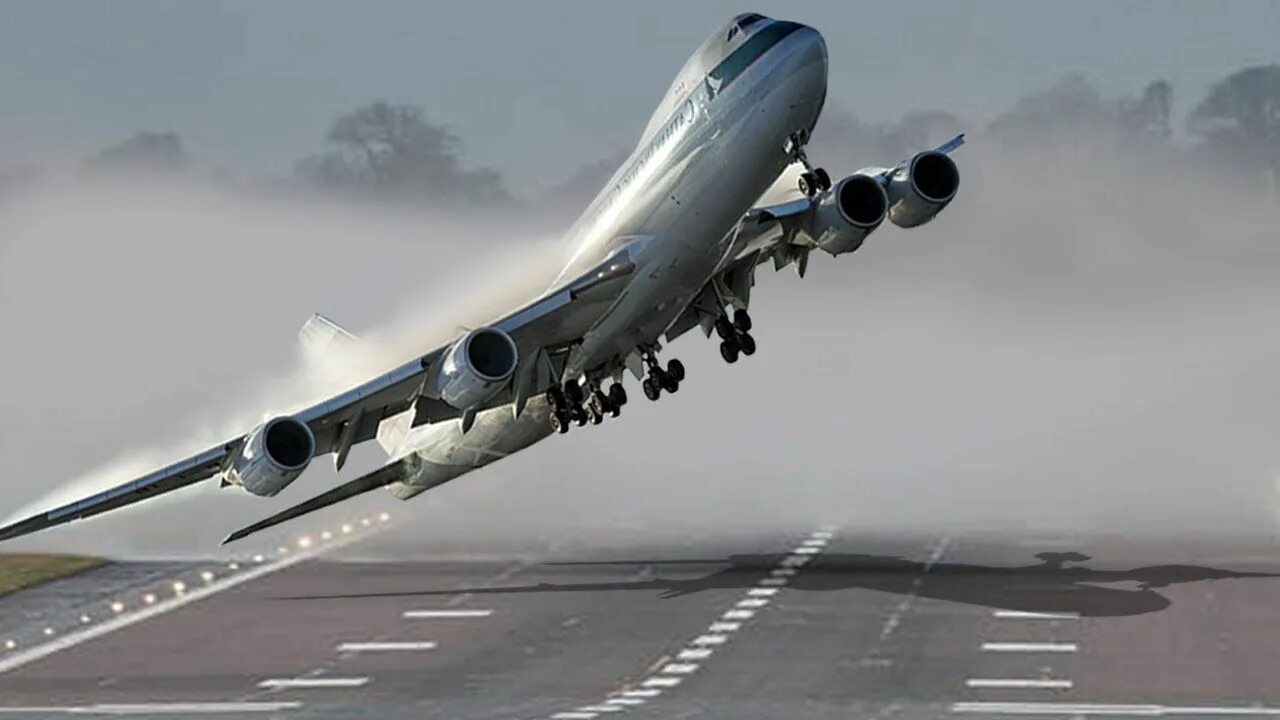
1240 117
580 187
151 152
394 151
1148 115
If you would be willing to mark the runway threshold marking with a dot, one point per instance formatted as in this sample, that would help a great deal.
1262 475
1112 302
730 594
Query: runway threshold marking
444 614
1085 709
664 675
307 683
169 709
1021 683
1032 647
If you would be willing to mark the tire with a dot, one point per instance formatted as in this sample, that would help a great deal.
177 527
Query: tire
724 328
670 383
595 416
747 343
559 424
618 394
579 416
729 351
573 391
675 369
651 391
742 321
807 184
824 180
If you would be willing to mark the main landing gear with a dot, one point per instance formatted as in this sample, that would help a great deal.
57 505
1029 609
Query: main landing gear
813 180
575 404
735 336
659 379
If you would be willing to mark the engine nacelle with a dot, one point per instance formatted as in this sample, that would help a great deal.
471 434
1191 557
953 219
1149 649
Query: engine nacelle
920 189
847 213
273 455
475 368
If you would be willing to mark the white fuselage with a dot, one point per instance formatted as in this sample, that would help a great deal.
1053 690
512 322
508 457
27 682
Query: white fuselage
715 144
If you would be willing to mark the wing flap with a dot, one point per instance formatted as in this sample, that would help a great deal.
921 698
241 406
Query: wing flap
383 476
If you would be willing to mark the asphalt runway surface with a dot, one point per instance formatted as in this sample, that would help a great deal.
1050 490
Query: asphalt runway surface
811 623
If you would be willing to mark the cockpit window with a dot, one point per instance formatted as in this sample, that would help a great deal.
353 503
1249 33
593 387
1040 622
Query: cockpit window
742 22
749 51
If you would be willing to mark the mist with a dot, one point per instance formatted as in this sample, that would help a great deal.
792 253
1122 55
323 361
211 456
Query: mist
1083 344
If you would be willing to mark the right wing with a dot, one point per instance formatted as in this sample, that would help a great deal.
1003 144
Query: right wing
554 320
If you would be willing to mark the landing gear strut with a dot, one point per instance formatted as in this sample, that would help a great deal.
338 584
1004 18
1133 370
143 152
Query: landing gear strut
813 180
660 379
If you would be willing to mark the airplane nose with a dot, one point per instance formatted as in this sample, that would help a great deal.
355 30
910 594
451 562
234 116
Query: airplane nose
810 76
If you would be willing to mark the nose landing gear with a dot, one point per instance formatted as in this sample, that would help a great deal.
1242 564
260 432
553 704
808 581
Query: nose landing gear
813 180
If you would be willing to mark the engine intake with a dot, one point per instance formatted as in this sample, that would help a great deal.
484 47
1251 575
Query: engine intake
920 189
273 455
475 368
848 213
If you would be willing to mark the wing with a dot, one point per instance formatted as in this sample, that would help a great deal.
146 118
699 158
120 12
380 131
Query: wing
387 474
774 230
556 319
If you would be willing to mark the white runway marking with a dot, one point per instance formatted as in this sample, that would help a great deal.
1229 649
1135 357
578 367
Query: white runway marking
574 715
806 551
1024 615
600 708
623 701
773 582
709 640
314 682
762 592
1024 683
642 693
385 646
724 627
1083 709
1030 647
739 615
661 681
154 609
168 709
680 668
443 614
753 603
694 654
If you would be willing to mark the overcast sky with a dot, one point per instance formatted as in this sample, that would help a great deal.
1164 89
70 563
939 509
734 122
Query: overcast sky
538 89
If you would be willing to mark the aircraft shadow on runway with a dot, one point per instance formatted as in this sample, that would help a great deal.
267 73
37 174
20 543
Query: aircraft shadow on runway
1057 584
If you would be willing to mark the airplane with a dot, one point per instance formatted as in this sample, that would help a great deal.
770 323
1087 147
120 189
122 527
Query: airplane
670 244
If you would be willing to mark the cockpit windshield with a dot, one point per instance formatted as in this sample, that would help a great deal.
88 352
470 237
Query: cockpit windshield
748 52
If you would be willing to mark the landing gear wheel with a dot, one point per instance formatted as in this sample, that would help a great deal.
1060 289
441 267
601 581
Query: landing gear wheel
729 351
579 415
675 369
651 390
617 395
747 343
669 382
594 415
824 180
724 328
808 184
559 422
573 391
741 320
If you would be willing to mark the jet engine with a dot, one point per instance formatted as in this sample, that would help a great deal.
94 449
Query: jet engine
273 455
475 368
920 188
846 214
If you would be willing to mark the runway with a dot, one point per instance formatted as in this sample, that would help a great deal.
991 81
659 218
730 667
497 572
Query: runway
818 622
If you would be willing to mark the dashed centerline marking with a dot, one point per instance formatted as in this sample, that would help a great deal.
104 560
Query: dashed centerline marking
664 675
1032 647
444 614
1025 615
385 646
1021 683
313 682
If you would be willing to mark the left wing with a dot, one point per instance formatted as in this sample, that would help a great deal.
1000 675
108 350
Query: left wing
556 319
